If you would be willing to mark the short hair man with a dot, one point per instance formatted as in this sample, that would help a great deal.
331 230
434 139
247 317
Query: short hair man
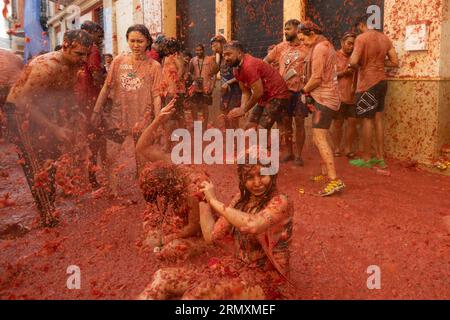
42 118
322 86
371 49
231 93
202 70
87 89
263 88
347 111
290 56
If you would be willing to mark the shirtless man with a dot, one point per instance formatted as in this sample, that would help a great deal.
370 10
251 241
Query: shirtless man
11 67
42 116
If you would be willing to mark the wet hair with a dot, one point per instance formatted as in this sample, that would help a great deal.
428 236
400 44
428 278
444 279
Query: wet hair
234 44
348 35
200 45
142 30
172 45
91 26
187 53
163 181
58 47
309 27
160 38
362 19
245 194
292 22
78 36
108 55
252 154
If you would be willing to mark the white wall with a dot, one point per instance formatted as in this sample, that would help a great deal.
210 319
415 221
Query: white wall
124 19
4 38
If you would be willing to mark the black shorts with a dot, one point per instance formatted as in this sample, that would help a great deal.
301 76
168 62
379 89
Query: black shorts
346 111
230 101
267 115
370 102
296 107
200 99
322 116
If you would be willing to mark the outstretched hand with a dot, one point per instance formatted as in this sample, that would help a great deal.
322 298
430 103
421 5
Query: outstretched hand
165 112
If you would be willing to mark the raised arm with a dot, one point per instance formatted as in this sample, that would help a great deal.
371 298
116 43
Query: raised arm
257 223
144 151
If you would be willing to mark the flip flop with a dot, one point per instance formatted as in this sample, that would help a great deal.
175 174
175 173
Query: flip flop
360 163
350 155
380 163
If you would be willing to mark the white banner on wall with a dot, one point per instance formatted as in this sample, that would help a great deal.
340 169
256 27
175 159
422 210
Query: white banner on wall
107 26
152 10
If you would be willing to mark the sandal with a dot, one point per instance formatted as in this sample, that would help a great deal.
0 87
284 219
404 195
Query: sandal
380 163
360 163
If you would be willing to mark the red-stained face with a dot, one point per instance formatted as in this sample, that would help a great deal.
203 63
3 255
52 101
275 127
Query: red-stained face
256 183
200 52
232 57
137 42
308 39
290 32
217 47
75 53
348 45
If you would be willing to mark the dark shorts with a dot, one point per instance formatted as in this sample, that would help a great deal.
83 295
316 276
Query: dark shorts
346 111
200 99
296 106
230 100
322 116
267 115
179 106
370 102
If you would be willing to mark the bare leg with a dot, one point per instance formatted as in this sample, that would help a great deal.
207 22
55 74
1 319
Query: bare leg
350 134
287 126
167 283
379 130
205 111
113 150
336 134
300 134
320 140
367 138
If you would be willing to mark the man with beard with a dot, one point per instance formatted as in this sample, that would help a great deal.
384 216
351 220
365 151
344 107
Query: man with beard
322 92
263 88
231 93
42 116
202 70
290 56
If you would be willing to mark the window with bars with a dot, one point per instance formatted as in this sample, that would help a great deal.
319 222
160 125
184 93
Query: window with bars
98 16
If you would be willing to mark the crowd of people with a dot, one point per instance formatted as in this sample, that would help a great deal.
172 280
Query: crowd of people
76 101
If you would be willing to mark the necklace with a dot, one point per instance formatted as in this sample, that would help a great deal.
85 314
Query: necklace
134 72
